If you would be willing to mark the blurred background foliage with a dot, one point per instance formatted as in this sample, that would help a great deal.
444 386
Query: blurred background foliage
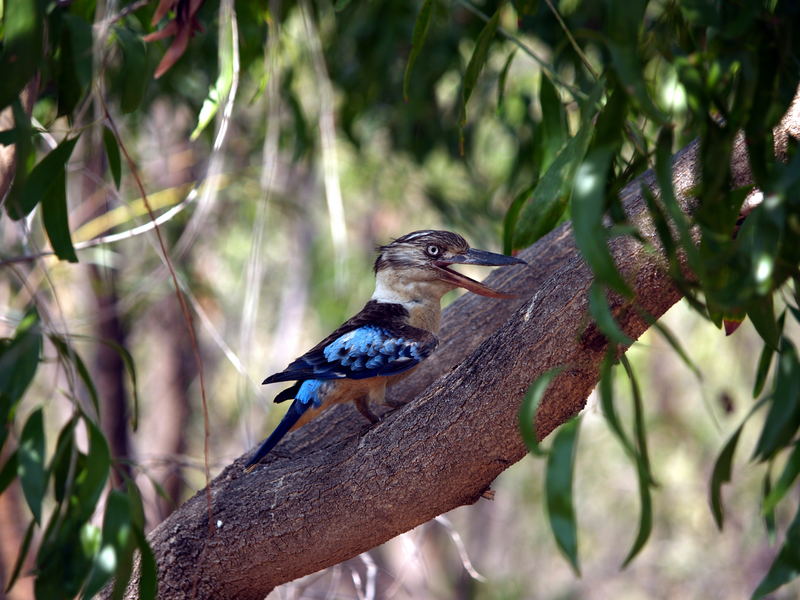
283 144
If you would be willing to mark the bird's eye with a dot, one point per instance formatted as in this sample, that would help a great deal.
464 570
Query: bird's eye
433 250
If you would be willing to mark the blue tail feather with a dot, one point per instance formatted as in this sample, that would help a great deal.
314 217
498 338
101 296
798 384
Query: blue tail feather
291 417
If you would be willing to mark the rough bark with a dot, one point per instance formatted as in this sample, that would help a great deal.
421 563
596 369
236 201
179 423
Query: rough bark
340 487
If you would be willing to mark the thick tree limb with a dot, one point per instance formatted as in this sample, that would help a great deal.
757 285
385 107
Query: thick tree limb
343 487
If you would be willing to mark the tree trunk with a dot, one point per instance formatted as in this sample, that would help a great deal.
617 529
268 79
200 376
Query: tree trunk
109 369
340 486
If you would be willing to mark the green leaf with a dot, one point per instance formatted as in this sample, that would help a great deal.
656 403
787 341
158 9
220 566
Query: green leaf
68 353
9 471
510 220
723 467
31 463
627 64
47 182
637 452
134 74
476 62
768 514
9 136
549 198
62 462
90 483
530 404
75 65
602 315
501 80
764 361
558 491
786 565
112 153
23 40
645 516
117 546
639 430
787 477
661 224
103 567
220 90
678 348
23 552
588 206
606 389
130 367
762 314
148 571
664 178
783 417
19 359
554 130
722 474
44 177
418 38
761 239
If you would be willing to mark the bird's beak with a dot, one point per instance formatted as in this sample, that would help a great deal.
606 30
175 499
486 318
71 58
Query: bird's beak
475 257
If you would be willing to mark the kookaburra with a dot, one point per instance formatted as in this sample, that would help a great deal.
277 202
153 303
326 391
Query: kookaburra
390 336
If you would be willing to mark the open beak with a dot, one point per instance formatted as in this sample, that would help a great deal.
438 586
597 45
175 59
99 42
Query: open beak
475 257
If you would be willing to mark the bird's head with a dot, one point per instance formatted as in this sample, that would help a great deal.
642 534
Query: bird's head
424 258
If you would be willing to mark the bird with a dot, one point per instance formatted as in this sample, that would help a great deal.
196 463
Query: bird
389 337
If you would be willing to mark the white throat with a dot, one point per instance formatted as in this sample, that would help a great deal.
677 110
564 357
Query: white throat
420 297
408 291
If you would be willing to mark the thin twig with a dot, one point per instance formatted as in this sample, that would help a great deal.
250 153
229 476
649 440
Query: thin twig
573 43
462 550
179 294
154 223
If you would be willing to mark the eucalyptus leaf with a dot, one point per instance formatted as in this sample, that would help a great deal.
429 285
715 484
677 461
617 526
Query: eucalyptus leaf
21 556
113 156
134 76
786 565
31 463
19 360
784 483
783 417
558 491
23 33
603 317
530 404
587 207
418 38
476 63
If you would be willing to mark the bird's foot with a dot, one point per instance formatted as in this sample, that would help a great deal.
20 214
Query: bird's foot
363 407
393 403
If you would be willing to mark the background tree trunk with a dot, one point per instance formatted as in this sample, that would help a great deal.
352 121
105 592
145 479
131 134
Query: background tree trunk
339 486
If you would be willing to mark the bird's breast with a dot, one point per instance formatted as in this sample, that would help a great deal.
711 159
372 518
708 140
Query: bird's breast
424 316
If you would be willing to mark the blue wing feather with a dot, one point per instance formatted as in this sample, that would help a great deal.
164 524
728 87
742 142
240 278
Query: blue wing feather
366 351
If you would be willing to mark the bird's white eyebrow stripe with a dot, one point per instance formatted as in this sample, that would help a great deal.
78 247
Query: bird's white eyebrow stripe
414 236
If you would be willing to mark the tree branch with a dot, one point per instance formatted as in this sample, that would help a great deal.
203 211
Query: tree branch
342 487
